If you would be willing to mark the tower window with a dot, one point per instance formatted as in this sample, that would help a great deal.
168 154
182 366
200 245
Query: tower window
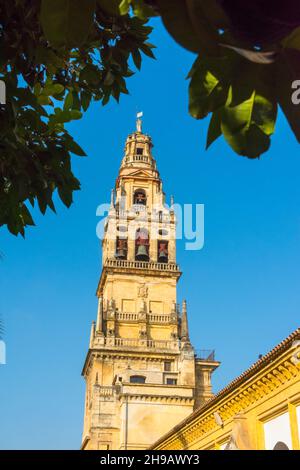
137 379
139 197
139 151
142 245
162 251
167 366
170 381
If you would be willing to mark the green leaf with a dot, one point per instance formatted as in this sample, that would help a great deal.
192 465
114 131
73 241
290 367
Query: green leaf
137 58
206 93
293 40
141 9
65 194
26 216
75 114
42 202
109 78
67 22
250 144
68 103
247 125
214 128
85 99
190 23
210 80
76 101
124 7
52 89
91 74
147 50
73 147
44 100
105 99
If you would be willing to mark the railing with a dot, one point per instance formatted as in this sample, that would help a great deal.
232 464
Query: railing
118 263
123 316
104 391
151 317
139 343
138 158
127 214
138 208
159 318
205 354
141 158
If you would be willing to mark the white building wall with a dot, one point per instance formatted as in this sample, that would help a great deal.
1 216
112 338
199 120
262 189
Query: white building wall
278 429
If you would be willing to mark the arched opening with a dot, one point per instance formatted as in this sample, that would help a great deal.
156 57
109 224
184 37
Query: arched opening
142 245
139 197
137 379
162 251
121 248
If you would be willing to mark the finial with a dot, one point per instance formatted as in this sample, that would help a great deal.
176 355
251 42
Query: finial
184 324
92 336
99 316
139 121
112 198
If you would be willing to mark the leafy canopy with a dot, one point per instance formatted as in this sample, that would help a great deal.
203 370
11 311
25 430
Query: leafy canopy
57 56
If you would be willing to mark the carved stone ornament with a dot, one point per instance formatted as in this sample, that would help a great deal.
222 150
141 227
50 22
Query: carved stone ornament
143 291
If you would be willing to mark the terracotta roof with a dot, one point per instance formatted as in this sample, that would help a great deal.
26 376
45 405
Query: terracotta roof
248 373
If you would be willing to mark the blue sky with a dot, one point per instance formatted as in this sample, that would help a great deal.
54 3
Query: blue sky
242 288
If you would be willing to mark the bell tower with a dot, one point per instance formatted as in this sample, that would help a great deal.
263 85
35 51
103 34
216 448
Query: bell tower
142 373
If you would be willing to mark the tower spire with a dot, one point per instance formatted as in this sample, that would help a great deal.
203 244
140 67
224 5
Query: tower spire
112 198
99 326
92 335
184 324
139 116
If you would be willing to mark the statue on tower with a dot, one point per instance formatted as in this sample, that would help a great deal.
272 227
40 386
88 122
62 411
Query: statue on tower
139 121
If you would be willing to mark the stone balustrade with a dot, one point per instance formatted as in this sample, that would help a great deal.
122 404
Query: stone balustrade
133 317
103 391
118 263
150 344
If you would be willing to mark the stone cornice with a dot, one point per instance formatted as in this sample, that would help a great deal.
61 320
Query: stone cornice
149 355
163 399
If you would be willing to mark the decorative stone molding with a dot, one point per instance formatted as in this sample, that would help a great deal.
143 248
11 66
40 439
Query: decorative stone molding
143 291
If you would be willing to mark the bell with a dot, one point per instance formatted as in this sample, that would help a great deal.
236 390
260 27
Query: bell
163 253
121 249
163 256
142 253
121 253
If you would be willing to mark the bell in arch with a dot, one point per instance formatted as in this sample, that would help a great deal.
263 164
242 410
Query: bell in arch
121 250
140 197
142 253
162 252
142 245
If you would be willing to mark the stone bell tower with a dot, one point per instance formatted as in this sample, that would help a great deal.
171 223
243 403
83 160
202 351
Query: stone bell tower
142 373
